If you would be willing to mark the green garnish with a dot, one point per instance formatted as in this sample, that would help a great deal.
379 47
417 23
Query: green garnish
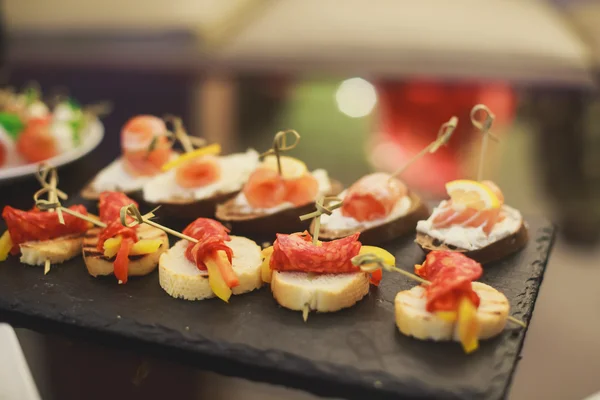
12 124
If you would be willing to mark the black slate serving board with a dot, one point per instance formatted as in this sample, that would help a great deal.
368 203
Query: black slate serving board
355 353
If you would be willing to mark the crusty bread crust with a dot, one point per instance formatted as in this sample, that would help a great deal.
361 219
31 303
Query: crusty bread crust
297 290
98 265
493 252
55 250
383 233
260 223
413 320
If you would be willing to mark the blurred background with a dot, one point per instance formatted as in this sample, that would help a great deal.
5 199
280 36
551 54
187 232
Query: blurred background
367 84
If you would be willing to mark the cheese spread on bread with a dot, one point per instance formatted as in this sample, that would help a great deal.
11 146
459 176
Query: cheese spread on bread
243 207
115 178
472 238
337 221
235 170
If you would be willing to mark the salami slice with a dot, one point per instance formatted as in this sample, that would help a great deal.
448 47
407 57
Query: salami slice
373 196
110 205
34 225
211 236
296 252
450 274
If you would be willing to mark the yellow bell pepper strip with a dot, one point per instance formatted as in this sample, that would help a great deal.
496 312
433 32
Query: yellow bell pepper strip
5 245
468 325
143 246
265 268
217 282
111 246
385 255
448 316
212 149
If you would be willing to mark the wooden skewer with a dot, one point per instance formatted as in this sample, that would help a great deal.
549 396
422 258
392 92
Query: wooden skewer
371 263
332 203
443 137
132 211
280 146
187 141
484 127
50 187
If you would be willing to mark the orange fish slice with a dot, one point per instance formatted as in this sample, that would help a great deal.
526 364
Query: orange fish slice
197 172
373 196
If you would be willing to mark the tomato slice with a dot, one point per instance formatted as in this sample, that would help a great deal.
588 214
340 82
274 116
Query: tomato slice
121 264
36 143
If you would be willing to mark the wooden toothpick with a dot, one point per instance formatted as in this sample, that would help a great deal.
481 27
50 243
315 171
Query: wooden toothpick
324 205
484 127
371 263
132 211
280 145
443 137
187 142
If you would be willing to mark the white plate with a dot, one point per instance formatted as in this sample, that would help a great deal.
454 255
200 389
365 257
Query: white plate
91 139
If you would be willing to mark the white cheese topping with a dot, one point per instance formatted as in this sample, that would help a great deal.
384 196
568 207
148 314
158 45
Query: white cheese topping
243 207
115 177
472 238
63 134
12 155
336 221
235 170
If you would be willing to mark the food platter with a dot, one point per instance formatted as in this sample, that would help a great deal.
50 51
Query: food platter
91 138
354 353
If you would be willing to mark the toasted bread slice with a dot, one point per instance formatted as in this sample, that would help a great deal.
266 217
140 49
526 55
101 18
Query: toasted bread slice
493 252
55 250
386 231
97 264
322 293
413 320
262 223
180 278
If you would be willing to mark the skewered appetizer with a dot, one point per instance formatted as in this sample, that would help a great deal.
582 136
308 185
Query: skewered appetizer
121 250
277 193
379 206
305 276
474 221
31 131
145 147
451 306
40 237
215 264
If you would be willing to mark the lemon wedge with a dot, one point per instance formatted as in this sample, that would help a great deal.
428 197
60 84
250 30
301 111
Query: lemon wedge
291 168
212 149
472 194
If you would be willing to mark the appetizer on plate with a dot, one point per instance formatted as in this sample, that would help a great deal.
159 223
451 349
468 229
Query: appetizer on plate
308 275
193 184
379 205
32 130
145 147
474 221
214 264
276 194
121 250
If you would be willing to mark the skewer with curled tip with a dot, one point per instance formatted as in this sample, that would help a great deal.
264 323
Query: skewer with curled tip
130 216
187 142
324 205
444 134
371 262
484 127
280 145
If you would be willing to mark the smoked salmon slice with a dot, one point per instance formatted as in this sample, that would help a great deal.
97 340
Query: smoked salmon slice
373 196
197 172
265 188
137 137
461 215
302 190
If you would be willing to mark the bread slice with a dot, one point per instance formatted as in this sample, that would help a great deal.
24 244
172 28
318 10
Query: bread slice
97 264
301 291
385 232
261 223
55 250
492 252
180 278
413 320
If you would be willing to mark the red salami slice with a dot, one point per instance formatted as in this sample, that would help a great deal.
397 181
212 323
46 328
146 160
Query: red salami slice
211 236
450 274
110 205
34 225
296 252
373 196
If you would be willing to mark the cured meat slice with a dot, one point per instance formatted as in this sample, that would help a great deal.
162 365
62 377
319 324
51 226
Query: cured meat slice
145 147
265 188
211 236
197 172
372 197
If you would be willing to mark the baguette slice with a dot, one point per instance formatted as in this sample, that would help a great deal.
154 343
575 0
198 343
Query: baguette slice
301 291
413 320
385 232
492 252
98 265
261 223
56 250
180 278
